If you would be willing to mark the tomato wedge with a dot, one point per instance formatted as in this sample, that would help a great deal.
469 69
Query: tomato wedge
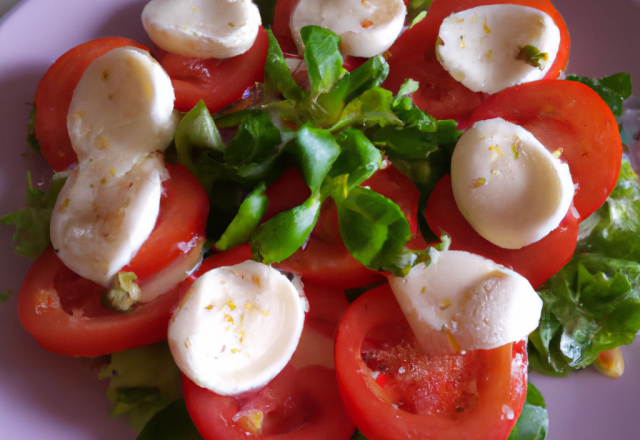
62 310
219 82
439 94
536 262
393 391
54 94
571 119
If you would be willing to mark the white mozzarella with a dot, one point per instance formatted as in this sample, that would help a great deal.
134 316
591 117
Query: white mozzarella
367 27
122 109
237 327
508 186
462 301
479 47
202 28
98 225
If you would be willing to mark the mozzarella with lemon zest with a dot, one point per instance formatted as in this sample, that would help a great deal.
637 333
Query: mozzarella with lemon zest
462 301
202 28
480 47
367 27
509 187
120 114
237 327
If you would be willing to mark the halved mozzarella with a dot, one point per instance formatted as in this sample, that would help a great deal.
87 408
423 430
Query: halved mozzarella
367 27
479 47
122 109
508 186
237 327
202 28
462 301
98 224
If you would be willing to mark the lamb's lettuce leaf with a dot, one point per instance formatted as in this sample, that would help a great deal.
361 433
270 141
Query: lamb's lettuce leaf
172 423
246 221
5 294
32 223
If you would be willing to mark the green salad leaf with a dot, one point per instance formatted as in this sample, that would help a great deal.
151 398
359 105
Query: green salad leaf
533 422
613 89
32 140
5 294
593 303
171 423
142 381
32 223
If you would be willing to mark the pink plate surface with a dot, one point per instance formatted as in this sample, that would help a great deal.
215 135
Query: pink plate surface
49 397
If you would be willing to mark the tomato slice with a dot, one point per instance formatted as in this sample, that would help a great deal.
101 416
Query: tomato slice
536 262
439 94
568 118
184 208
54 94
219 82
325 260
302 402
476 395
281 29
62 310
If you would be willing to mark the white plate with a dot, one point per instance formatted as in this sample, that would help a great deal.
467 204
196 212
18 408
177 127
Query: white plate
46 396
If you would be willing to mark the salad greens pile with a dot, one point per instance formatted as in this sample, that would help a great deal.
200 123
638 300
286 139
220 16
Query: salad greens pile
338 133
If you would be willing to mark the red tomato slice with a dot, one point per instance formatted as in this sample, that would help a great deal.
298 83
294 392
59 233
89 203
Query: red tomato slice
219 83
476 395
62 310
536 262
184 208
302 402
570 118
439 94
54 94
325 260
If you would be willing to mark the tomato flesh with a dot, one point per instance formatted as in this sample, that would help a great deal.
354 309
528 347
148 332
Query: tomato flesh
54 93
536 262
439 94
218 82
422 396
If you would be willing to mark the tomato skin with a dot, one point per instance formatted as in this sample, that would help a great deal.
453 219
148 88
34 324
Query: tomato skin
219 83
54 93
439 94
184 208
325 260
281 29
569 117
501 383
536 262
50 287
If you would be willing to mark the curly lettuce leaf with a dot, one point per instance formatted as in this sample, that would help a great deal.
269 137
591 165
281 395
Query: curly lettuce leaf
533 422
613 89
591 305
613 229
32 223
142 381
